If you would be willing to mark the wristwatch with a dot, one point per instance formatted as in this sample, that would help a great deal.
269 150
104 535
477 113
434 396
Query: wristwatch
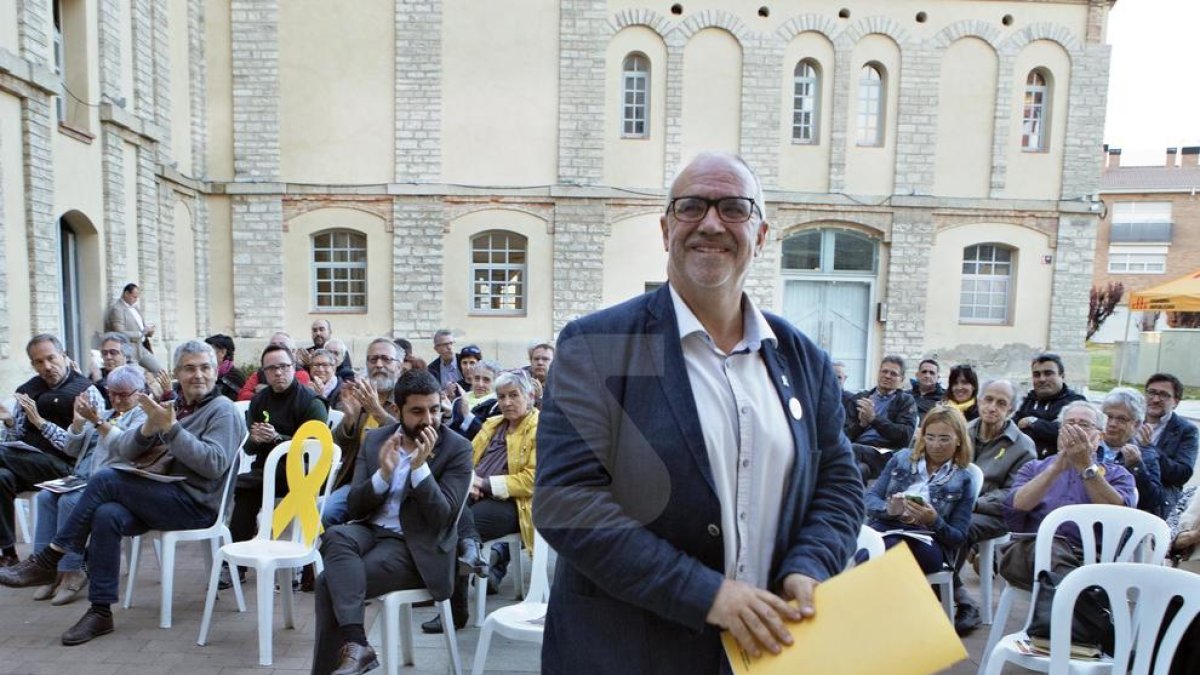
1090 472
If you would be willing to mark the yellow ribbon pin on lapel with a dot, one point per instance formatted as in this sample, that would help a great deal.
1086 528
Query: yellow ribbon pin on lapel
301 500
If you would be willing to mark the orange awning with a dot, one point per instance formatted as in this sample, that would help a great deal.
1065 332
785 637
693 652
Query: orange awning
1180 295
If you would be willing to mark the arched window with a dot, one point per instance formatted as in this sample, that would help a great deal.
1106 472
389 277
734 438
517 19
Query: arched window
339 259
635 96
498 269
1036 112
871 88
806 101
987 282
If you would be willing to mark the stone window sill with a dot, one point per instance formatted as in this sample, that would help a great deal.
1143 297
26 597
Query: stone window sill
76 133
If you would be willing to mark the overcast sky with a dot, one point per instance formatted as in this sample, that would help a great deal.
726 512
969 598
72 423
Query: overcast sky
1154 89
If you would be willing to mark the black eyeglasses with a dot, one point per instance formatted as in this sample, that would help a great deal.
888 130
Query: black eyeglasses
729 209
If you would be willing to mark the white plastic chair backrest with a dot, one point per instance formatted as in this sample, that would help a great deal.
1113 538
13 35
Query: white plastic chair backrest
1124 533
1153 587
312 452
335 417
539 579
871 541
976 478
242 407
231 475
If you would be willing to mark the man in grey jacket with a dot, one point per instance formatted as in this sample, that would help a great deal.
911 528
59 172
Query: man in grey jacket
200 433
1001 448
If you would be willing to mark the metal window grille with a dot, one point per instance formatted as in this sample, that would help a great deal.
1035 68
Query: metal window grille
498 269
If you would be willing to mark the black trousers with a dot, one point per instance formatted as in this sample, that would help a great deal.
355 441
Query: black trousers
362 560
247 500
19 470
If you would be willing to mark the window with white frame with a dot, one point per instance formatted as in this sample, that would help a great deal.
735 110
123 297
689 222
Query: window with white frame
987 281
498 269
635 96
1035 115
1137 259
1141 222
805 101
871 85
339 259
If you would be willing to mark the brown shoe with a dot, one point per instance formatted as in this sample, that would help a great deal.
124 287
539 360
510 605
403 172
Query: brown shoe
28 572
73 584
355 659
46 592
91 625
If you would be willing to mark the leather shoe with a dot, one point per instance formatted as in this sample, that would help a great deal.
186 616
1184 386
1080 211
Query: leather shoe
434 625
966 619
91 625
73 583
8 560
469 560
355 658
28 572
47 591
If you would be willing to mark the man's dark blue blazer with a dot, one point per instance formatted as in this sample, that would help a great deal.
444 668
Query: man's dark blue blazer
625 491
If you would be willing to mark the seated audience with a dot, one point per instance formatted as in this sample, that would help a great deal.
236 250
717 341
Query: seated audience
115 351
445 366
89 438
230 379
409 483
483 379
44 410
413 362
258 381
1001 449
839 369
197 436
1125 409
342 357
325 382
1174 437
881 420
501 499
1070 475
926 389
274 416
467 358
366 404
1039 413
964 387
927 490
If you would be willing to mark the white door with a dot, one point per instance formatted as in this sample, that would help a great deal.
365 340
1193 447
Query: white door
836 315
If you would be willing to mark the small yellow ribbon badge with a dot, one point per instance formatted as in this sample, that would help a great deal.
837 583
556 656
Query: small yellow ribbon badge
303 489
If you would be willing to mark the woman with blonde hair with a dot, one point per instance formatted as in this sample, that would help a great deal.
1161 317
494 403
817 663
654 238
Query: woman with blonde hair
925 494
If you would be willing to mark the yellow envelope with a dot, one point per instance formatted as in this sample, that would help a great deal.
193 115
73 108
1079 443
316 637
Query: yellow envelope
880 617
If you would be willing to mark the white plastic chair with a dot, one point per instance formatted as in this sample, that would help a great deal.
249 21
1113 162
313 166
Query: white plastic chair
242 407
398 622
944 578
513 541
869 540
335 417
987 573
215 534
27 514
267 555
525 620
1139 595
1126 534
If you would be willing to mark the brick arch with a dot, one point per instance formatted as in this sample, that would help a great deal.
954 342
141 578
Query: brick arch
822 222
880 25
380 207
639 17
714 18
1053 32
807 23
968 28
459 211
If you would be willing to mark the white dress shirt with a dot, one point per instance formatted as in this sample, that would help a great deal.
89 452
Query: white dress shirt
746 434
388 515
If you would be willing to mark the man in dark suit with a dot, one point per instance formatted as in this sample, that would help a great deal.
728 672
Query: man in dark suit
692 470
410 482
1171 435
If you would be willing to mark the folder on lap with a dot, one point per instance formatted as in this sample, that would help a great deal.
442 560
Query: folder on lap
880 617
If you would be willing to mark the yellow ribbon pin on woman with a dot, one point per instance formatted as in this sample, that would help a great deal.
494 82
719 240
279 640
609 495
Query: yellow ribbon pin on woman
304 488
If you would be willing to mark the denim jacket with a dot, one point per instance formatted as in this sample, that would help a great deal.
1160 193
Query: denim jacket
953 500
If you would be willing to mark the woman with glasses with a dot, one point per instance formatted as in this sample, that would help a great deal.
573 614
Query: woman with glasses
964 389
1125 410
924 496
88 438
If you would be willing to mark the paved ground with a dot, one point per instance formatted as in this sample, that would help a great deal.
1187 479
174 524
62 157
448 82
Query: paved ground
30 642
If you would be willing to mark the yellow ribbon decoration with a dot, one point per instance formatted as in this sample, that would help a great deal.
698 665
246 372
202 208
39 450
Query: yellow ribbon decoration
303 489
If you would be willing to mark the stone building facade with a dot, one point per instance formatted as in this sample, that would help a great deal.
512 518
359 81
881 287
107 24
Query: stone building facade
499 168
